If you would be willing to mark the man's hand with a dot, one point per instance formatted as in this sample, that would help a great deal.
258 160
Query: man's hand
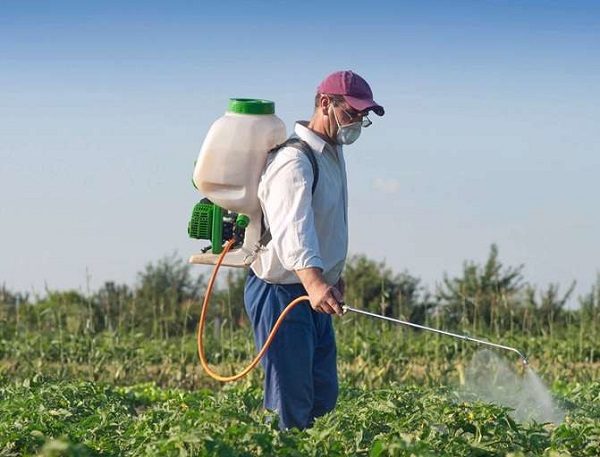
323 297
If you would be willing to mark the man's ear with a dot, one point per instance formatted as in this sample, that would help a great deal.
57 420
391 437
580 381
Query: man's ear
324 103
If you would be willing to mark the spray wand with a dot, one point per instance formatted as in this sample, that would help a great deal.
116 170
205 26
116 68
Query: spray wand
346 308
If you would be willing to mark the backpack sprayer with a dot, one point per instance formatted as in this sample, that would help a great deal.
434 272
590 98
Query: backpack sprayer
227 172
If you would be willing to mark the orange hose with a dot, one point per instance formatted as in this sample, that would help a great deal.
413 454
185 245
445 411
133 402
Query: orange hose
202 320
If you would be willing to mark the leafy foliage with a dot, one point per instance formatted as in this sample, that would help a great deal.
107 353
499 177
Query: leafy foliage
83 418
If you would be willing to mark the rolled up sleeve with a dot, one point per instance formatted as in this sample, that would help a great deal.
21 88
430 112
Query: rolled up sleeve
285 193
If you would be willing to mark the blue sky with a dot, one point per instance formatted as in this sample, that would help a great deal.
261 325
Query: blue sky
490 133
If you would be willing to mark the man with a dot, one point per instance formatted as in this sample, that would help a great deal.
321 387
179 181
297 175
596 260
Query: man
307 252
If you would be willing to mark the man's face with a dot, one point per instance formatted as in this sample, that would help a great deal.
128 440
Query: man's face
348 115
341 114
344 112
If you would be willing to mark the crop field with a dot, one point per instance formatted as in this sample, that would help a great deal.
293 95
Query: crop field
114 395
112 376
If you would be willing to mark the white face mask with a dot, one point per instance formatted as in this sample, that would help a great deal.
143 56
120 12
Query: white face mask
347 134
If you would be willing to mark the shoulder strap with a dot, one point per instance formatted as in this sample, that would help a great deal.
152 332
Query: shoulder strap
303 146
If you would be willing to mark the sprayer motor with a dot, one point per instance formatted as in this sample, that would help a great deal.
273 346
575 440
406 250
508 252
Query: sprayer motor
216 224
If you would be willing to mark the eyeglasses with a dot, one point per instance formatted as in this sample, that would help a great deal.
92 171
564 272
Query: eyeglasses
365 121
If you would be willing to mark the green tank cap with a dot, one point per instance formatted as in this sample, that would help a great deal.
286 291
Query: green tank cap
242 221
251 106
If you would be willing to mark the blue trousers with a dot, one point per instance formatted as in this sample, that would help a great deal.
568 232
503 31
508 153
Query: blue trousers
300 365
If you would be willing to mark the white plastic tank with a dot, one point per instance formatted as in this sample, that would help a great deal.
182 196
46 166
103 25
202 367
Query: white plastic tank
234 152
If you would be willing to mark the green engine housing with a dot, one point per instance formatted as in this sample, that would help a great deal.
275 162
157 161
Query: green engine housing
213 223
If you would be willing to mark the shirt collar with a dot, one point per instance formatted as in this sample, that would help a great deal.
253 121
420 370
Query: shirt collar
317 143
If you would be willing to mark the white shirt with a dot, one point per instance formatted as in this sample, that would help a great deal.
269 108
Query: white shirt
307 230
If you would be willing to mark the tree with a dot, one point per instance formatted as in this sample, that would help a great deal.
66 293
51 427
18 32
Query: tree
111 303
63 311
365 283
590 305
550 305
483 296
163 293
372 285
11 304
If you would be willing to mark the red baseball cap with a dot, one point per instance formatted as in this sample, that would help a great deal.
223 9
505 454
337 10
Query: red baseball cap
356 91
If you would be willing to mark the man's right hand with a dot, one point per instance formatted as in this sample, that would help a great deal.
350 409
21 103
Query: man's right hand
326 299
323 297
